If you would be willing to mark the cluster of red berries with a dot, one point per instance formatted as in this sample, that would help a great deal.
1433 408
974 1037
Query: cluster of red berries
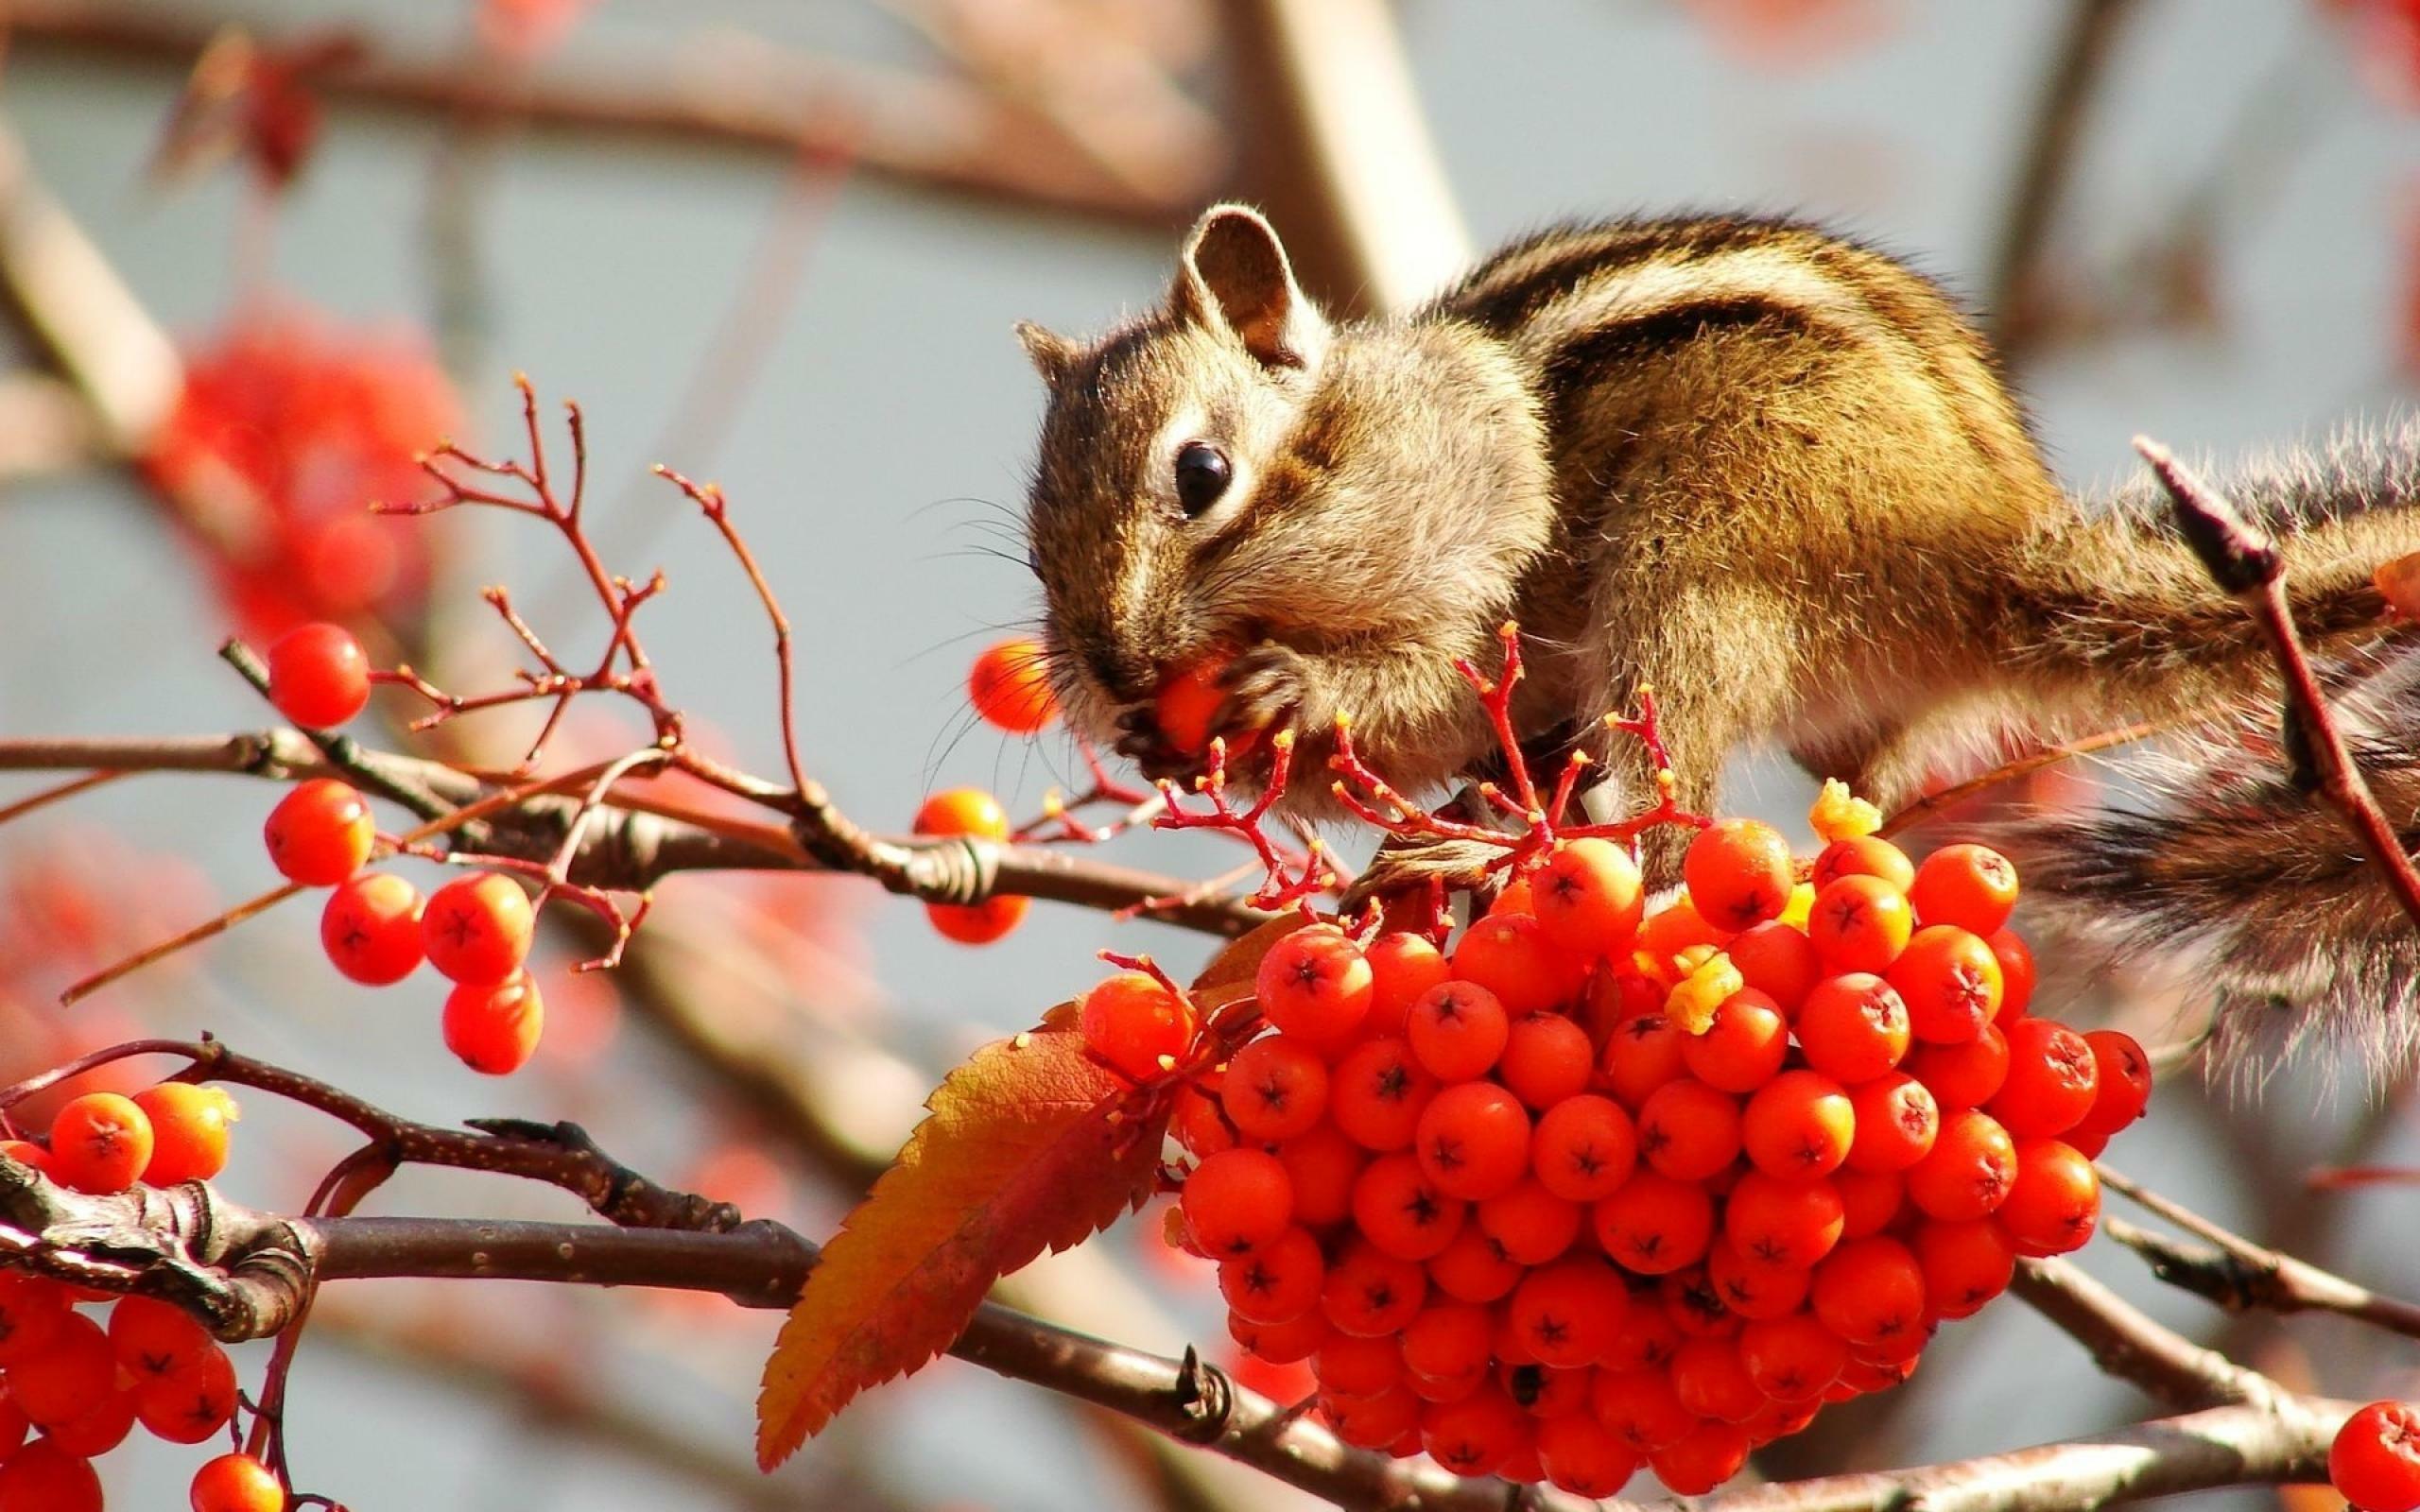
1598 1186
2374 1462
376 928
74 1384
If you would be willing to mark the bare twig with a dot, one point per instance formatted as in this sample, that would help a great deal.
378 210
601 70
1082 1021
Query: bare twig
2130 1346
2249 568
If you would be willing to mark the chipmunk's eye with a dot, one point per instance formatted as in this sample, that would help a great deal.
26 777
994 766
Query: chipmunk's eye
1201 474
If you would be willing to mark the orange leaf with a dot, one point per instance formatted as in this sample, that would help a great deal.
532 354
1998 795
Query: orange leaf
1032 1144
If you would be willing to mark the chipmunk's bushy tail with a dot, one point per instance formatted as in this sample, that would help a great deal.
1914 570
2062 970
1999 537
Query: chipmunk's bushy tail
2252 887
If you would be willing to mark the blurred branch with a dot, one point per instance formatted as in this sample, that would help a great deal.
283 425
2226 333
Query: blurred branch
2052 145
1336 146
912 126
2127 1343
45 428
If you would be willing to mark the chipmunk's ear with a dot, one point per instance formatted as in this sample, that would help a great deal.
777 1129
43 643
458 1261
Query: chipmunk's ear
1053 355
1234 274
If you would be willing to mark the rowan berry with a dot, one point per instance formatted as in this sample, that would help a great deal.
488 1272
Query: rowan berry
1965 1076
1783 1222
1965 1264
236 1483
1897 1121
1529 1223
1195 1121
1458 1030
1377 1421
477 930
1694 1303
1582 1457
1377 1092
320 833
2054 1203
2121 1083
148 1339
1132 1021
1739 874
1973 886
978 924
1010 684
1322 1165
1859 923
1780 1420
1755 1288
1864 1377
371 928
191 1403
1511 955
1792 1358
188 1131
1472 1140
1701 1459
1278 1281
100 1143
2016 972
1799 1125
1642 1053
1640 1408
1869 1291
1644 1342
67 1377
33 1309
1546 1058
2054 1078
1778 960
1543 1391
1450 1344
1743 1048
1284 1343
1476 1435
1951 983
1315 984
1864 855
1710 1380
1474 1268
1854 1027
1967 1174
1515 897
1869 1201
1687 1130
963 810
2374 1460
1275 1088
1654 1224
42 1477
1566 1314
1674 928
1583 1148
1402 967
1399 1206
318 675
1371 1294
1587 898
493 1029
1237 1200
1359 1366
95 1432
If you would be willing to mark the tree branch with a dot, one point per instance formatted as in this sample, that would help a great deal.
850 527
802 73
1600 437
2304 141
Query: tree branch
2127 1343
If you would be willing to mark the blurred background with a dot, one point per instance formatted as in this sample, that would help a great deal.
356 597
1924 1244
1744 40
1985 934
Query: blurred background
260 253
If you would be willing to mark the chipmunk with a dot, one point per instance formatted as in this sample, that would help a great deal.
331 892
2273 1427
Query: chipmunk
1769 471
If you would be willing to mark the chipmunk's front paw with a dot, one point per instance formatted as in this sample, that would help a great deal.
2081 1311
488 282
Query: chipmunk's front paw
1142 741
1265 686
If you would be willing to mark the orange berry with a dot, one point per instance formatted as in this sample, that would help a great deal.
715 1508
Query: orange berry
1473 1141
1402 967
1133 1021
1583 1148
1401 1207
1777 961
1897 1120
236 1483
1965 1076
1546 1058
1743 1048
2054 1203
1674 928
1236 1200
320 833
1655 1225
963 811
1642 1053
1587 898
1458 1030
1869 1201
1792 1358
1864 855
1188 699
1972 886
494 1028
1783 1222
1739 874
1799 1125
189 1132
1755 1288
1965 1263
1870 1291
1951 983
2121 1083
1377 1092
1710 1380
1275 1087
99 1143
2053 1079
978 924
1315 984
1859 923
2016 972
1688 1130
318 675
1968 1172
371 928
1511 955
476 928
1010 684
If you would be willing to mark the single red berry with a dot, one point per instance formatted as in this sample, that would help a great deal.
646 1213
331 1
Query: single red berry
42 1477
1529 1223
371 928
1580 1456
1476 1435
1402 967
33 1309
1546 1058
1654 1224
1275 1088
494 1029
1965 1076
1701 1459
1567 1313
2375 1461
1688 1130
1859 923
95 1432
1898 1119
1864 855
1511 955
2054 1203
1777 959
1398 1206
69 1376
2016 972
1316 984
1799 1125
1583 1148
1473 1141
1755 1288
320 833
477 930
1792 1358
978 924
1644 1342
1284 1343
1743 1048
2121 1083
1784 1221
100 1143
1457 1030
1972 886
1450 1343
1371 1294
318 675
236 1483
1236 1200
1854 1027
2054 1078
1474 1268
1639 1407
1951 983
1965 1264
1010 684
150 1339
1869 1201
1587 898
189 1132
1739 874
963 810
1322 1164
1131 1021
1695 1304
1968 1172
1277 1282
1870 1291
1377 1092
192 1403
1378 1422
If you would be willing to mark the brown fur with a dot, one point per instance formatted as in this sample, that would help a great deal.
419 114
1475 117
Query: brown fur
1769 472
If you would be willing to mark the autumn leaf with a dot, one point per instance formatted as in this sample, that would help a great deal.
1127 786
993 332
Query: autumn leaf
1032 1143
